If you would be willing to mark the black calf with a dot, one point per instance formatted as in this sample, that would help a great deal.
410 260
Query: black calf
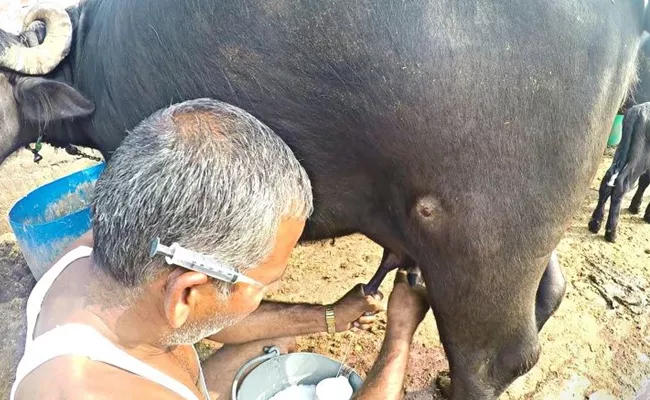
635 205
631 163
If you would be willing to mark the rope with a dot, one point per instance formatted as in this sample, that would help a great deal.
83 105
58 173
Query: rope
70 149
74 151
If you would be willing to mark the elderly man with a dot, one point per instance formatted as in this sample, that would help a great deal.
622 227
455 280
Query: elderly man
116 320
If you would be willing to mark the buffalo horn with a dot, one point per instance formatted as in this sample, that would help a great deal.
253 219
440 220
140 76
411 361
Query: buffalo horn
41 59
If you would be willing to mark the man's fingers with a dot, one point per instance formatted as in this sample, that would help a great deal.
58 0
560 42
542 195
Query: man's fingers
364 327
379 296
375 305
367 319
359 289
401 276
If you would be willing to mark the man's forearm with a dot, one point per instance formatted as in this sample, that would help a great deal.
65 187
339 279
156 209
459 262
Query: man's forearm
386 378
274 319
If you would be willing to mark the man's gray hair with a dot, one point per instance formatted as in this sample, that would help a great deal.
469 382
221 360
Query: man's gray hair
202 173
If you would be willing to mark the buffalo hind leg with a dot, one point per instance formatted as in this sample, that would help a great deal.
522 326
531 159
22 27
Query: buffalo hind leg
644 182
604 193
550 292
486 324
646 217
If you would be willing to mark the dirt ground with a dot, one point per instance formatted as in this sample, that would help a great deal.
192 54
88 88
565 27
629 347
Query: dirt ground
597 346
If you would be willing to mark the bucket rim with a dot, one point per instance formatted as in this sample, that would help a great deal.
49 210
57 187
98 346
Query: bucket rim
244 373
52 221
308 353
15 222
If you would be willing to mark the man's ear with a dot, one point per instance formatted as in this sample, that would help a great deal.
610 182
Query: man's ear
181 296
43 100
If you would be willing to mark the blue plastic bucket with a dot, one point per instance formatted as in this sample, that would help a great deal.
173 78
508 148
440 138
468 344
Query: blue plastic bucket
53 216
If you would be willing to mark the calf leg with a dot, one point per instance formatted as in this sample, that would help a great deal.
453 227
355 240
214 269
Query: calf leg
389 262
550 292
604 192
644 182
646 218
618 193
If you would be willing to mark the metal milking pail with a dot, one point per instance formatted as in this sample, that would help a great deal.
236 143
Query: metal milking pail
272 372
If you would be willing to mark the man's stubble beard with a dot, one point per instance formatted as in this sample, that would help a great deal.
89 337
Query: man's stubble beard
195 331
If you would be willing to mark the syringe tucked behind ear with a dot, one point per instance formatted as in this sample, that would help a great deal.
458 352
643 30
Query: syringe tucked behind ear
177 255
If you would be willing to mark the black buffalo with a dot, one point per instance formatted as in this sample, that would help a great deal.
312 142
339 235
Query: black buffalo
631 163
459 135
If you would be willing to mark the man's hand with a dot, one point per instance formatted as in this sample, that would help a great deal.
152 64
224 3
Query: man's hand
357 310
275 319
407 307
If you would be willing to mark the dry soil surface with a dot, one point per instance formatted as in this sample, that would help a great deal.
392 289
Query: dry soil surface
597 345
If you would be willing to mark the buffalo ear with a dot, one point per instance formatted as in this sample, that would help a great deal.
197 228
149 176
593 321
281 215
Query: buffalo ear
43 100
